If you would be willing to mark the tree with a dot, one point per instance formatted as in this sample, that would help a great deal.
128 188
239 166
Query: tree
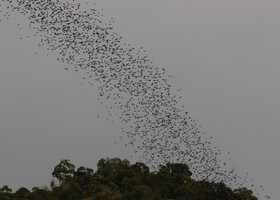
140 168
22 194
178 168
142 192
81 171
40 194
116 179
63 170
106 167
5 189
244 194
5 193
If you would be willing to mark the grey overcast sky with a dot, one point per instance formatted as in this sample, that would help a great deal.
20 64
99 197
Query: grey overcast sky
223 54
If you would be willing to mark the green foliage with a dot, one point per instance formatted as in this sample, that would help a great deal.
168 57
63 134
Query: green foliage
63 170
244 194
5 193
117 179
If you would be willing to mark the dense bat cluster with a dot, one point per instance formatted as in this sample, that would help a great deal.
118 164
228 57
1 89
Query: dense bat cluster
134 92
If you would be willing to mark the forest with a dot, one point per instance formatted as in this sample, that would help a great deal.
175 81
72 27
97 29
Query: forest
117 179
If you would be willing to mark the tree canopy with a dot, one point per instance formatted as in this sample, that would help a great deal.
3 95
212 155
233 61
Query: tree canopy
117 179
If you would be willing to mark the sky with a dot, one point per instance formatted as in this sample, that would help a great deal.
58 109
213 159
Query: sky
223 54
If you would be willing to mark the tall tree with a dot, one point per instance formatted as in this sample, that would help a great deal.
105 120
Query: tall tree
64 170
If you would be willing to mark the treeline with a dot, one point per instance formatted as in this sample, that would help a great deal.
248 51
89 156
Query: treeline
117 179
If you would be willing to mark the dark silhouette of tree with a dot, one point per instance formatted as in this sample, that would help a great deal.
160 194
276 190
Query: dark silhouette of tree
244 193
117 179
63 170
5 192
